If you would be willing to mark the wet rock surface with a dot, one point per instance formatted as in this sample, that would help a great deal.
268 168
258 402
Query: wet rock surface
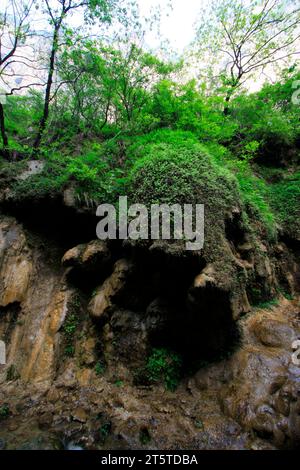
78 331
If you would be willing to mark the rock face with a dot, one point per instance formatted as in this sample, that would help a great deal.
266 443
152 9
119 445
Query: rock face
264 394
102 302
79 331
33 300
92 256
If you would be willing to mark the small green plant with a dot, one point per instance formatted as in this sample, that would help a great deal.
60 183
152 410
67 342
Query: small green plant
119 383
268 304
199 424
145 436
4 411
100 368
285 294
12 373
70 325
288 296
69 350
164 365
104 431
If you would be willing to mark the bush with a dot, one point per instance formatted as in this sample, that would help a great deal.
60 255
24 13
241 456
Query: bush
284 197
164 365
4 412
180 172
90 176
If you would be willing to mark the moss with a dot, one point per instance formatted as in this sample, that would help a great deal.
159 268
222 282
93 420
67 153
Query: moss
4 412
186 173
267 305
71 324
144 436
9 171
100 368
89 175
284 196
104 431
12 373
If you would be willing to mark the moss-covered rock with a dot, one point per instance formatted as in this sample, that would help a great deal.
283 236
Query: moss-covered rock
186 173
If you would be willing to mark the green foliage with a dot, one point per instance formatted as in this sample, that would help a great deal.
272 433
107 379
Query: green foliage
186 107
145 436
22 114
4 412
119 383
104 431
12 373
260 119
104 80
255 193
268 304
284 196
238 40
89 174
70 326
126 122
164 365
180 172
100 368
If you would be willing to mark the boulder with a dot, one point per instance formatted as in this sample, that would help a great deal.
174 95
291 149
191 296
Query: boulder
92 256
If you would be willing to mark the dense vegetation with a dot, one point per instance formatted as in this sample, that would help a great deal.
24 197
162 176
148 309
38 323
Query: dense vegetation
120 120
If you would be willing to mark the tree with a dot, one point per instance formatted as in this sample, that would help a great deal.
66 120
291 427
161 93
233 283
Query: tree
108 84
86 80
58 11
243 38
14 34
134 73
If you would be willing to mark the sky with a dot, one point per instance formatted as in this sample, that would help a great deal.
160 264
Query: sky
178 26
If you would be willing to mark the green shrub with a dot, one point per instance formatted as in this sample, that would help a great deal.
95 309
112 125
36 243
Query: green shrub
4 412
104 431
284 197
100 368
255 195
12 373
144 436
180 172
165 366
70 326
90 176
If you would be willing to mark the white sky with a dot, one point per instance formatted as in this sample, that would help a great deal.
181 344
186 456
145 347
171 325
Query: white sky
178 26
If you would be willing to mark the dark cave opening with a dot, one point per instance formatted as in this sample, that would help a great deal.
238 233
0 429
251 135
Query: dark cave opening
9 316
195 323
50 218
234 230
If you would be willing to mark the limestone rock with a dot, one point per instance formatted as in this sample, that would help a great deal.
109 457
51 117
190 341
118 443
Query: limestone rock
92 256
104 296
274 333
79 415
264 391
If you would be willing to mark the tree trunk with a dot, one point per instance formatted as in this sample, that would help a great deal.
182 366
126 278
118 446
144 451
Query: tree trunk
3 133
226 110
230 92
45 115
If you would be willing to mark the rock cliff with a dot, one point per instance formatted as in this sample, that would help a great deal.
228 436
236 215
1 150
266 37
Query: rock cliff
80 321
